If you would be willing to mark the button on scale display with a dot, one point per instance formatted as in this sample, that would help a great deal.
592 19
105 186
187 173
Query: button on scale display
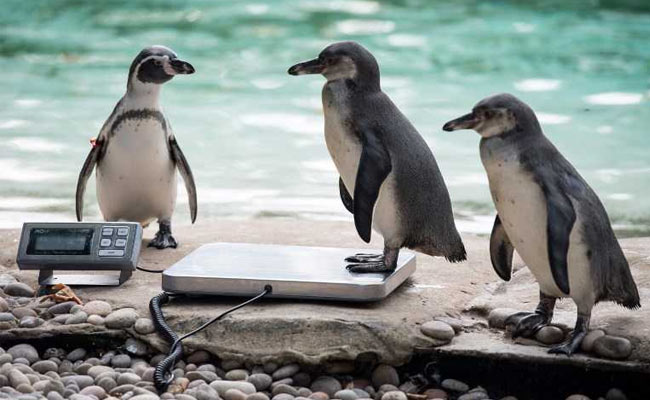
113 248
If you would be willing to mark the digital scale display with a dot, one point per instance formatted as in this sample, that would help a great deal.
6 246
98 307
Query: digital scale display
60 241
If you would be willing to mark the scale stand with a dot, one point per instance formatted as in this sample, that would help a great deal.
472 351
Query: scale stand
46 277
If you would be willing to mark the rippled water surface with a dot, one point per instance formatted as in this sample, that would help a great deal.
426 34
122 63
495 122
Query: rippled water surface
253 134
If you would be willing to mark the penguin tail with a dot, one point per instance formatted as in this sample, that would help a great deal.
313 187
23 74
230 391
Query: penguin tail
455 253
619 286
458 254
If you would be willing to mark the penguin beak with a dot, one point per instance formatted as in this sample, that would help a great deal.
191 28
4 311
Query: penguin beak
467 121
308 67
180 67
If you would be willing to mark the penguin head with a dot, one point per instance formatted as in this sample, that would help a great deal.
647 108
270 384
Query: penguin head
497 115
342 60
156 65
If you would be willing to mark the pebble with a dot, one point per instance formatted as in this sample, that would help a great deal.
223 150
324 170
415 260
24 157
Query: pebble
107 383
438 330
285 372
283 396
234 394
435 394
319 396
282 388
6 279
614 347
385 374
6 358
96 370
301 379
615 394
24 351
270 367
199 357
17 378
122 318
237 375
20 312
93 390
78 318
454 385
260 381
80 380
474 396
394 395
97 307
3 305
61 308
95 320
587 344
257 396
31 322
121 361
76 354
346 394
222 386
128 378
144 326
45 366
550 334
497 317
136 347
19 289
326 384
578 397
206 376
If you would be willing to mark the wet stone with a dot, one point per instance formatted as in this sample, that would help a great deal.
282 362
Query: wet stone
384 374
454 385
613 347
260 381
438 330
550 335
18 289
587 344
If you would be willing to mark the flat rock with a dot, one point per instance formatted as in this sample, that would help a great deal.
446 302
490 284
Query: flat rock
438 330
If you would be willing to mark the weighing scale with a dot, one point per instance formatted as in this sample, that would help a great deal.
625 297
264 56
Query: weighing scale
74 246
241 269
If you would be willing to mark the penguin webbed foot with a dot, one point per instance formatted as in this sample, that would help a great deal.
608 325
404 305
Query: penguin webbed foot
370 267
362 258
526 324
364 263
575 340
163 238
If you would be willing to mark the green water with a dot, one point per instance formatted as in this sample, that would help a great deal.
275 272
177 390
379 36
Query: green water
253 134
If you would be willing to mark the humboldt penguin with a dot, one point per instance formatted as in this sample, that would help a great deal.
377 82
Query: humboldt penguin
136 153
550 215
389 178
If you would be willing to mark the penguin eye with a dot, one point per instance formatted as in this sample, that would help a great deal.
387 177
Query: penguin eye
158 62
489 114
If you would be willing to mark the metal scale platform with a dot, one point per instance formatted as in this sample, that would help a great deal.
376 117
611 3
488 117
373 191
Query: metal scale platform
238 269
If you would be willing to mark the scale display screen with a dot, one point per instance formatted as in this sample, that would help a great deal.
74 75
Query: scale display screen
60 241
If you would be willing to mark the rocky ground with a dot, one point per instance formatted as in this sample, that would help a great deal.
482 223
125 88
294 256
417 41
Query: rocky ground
96 375
458 309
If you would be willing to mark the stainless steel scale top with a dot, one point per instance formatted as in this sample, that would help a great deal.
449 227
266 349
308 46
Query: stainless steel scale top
241 269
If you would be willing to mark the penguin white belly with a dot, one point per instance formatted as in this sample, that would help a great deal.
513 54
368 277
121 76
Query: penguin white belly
136 179
521 205
345 150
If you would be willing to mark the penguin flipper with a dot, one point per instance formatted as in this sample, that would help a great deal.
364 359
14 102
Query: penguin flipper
374 167
560 219
184 168
501 250
84 174
345 196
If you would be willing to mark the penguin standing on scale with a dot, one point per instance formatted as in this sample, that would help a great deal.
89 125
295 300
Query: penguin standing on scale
389 178
136 153
550 215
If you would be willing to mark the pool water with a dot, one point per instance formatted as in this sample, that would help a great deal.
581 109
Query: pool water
254 135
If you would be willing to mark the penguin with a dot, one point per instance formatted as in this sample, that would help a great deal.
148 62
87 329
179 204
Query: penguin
136 153
389 179
549 214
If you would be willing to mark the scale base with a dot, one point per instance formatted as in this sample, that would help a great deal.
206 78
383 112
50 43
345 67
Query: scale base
297 272
46 277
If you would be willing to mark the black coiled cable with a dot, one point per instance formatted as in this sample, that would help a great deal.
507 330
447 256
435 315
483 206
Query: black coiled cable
163 376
